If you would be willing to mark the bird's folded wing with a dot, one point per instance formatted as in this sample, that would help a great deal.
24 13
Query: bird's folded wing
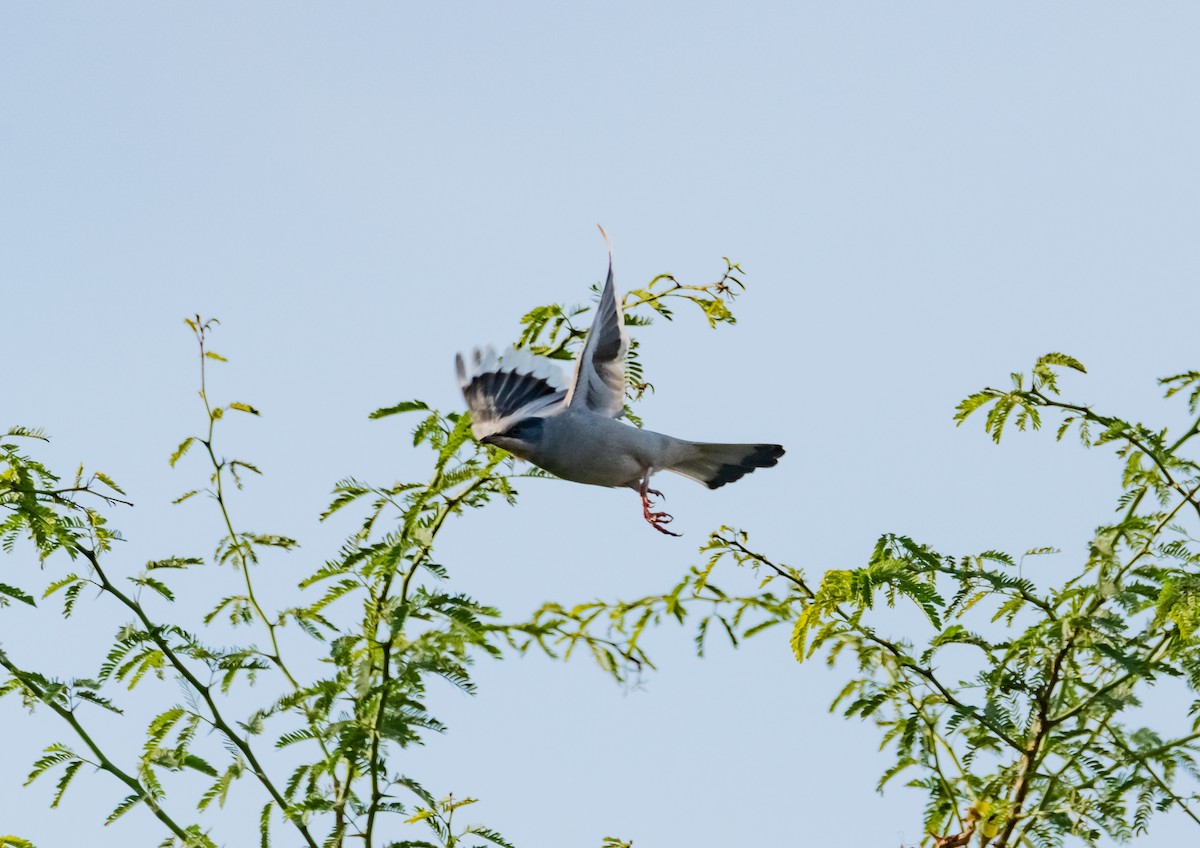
502 390
599 383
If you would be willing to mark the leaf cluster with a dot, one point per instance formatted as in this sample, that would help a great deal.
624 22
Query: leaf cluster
557 331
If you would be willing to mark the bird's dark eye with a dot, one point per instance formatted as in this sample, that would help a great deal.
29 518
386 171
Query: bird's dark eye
526 430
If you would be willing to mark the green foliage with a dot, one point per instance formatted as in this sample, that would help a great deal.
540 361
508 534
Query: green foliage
399 630
1014 709
379 612
438 817
556 331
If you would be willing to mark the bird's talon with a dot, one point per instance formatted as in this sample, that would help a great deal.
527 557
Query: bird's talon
654 519
658 519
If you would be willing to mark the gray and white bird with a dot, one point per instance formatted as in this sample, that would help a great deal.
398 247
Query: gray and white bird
522 403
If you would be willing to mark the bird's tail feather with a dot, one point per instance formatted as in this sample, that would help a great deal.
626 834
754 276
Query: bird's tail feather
714 465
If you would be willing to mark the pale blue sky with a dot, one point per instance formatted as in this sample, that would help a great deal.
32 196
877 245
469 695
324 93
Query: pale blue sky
925 196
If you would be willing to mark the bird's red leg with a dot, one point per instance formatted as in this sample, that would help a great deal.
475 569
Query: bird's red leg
655 519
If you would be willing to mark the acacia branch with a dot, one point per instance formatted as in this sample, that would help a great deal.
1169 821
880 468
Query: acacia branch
785 573
935 739
57 494
1129 437
1113 684
1032 756
239 545
451 505
1140 759
154 631
902 658
102 760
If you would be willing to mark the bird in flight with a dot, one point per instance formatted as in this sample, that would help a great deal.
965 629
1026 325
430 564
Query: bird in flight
522 403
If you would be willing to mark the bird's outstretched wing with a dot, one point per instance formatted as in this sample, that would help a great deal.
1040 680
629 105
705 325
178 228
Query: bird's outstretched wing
502 390
599 383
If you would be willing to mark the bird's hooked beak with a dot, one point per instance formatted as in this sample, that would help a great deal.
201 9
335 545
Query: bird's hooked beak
488 440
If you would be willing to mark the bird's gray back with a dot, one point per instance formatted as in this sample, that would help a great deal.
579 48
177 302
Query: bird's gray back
588 447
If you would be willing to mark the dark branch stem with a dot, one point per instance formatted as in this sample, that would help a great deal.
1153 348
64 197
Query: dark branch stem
902 658
1112 684
102 760
452 504
785 573
1032 756
276 656
154 631
1129 437
1162 784
58 493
